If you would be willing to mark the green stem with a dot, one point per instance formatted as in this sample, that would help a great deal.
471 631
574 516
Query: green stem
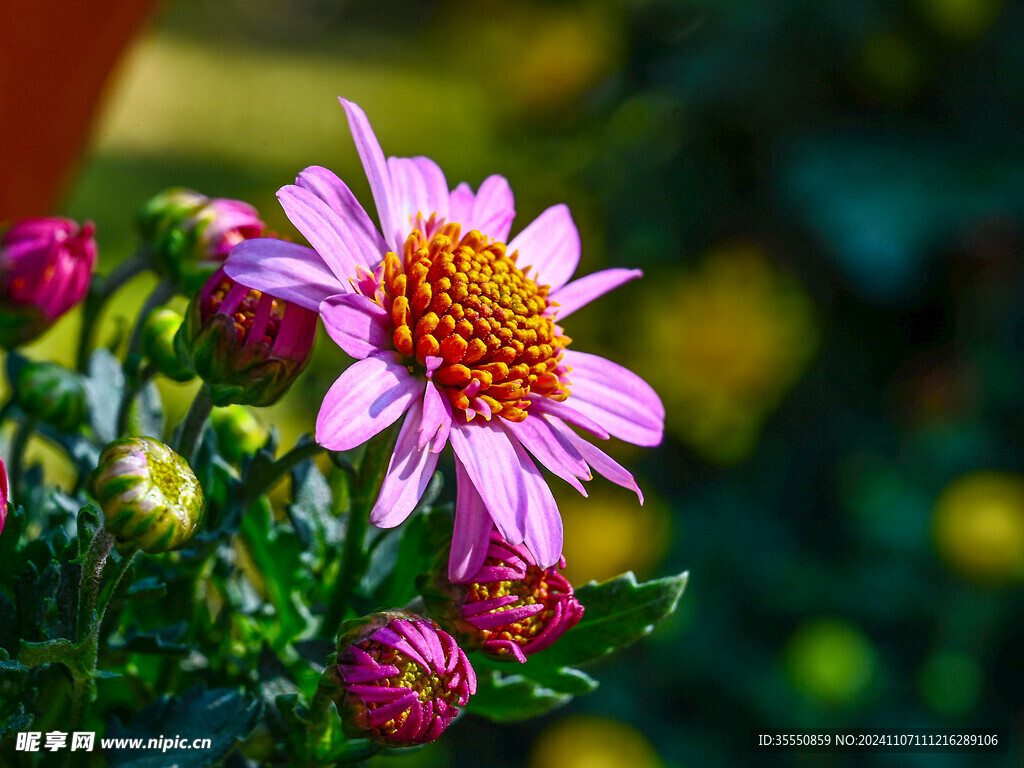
355 559
92 578
17 458
192 426
99 292
132 390
162 293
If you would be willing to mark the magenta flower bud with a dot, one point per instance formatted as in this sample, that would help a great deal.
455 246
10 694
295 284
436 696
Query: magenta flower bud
3 495
191 235
45 268
511 608
246 345
400 679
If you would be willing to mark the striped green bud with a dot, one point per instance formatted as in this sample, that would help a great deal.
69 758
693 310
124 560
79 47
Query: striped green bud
150 497
158 343
53 394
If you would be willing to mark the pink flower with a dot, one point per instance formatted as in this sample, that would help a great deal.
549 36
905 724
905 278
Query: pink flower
510 608
3 495
462 334
401 679
45 268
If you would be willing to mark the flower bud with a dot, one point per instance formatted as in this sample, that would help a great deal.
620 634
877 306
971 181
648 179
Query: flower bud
150 497
246 345
3 495
399 678
45 268
53 394
239 433
158 343
510 609
191 235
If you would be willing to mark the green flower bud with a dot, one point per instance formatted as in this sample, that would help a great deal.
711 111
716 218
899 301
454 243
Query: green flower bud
158 343
53 394
190 234
150 497
239 432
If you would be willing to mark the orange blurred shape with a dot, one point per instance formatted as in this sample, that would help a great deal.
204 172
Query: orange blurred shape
55 56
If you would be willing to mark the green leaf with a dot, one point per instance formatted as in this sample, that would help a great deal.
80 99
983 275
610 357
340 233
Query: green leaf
575 682
416 552
310 511
104 388
618 613
506 698
149 588
146 413
222 715
158 642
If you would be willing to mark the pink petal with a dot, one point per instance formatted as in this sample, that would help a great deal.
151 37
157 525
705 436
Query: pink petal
543 522
367 398
419 187
324 229
491 463
358 325
616 398
581 292
601 462
551 244
460 204
473 526
376 173
551 449
494 208
541 404
408 474
289 271
437 419
333 191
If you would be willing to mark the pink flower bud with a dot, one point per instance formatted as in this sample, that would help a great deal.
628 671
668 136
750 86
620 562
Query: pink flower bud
45 268
401 679
511 608
247 345
3 495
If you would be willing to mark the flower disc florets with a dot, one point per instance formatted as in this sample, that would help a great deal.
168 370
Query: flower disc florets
248 346
511 608
150 497
401 678
462 300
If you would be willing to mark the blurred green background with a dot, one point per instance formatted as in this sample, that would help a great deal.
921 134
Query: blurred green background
827 198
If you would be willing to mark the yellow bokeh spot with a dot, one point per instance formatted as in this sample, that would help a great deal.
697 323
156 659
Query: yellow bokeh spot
979 526
831 660
890 68
585 741
545 57
724 343
960 19
610 533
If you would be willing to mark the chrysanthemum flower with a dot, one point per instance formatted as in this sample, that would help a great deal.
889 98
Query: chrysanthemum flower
400 678
460 332
510 608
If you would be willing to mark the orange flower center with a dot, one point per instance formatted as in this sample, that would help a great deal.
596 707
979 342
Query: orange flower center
248 307
464 300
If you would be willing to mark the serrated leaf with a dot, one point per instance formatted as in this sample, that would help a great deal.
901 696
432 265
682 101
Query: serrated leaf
149 588
310 511
158 642
574 682
222 715
507 698
618 613
17 719
104 388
